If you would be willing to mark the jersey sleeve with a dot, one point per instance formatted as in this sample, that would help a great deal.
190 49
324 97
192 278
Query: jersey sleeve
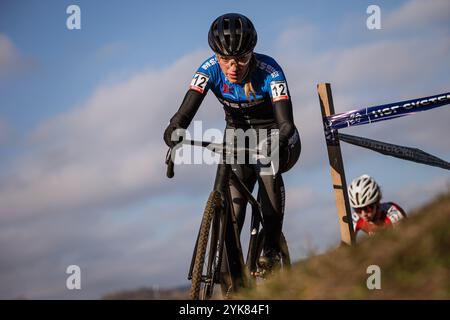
395 213
205 76
276 83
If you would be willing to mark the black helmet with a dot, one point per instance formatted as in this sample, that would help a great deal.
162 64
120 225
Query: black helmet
232 34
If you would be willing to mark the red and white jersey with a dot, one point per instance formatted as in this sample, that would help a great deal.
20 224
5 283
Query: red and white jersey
391 214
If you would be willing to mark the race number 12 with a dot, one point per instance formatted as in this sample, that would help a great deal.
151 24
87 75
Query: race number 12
279 90
199 82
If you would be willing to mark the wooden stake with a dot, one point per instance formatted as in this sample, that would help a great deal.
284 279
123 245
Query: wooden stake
336 167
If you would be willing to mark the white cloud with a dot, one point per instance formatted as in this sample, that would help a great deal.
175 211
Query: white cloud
416 194
11 60
112 253
314 229
9 54
388 63
296 34
299 198
107 150
417 14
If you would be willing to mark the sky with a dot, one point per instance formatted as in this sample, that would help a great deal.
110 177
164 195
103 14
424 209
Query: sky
82 113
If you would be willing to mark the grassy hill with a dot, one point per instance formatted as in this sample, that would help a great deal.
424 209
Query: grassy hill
414 259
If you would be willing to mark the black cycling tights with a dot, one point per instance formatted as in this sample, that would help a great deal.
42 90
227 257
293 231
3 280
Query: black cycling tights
271 188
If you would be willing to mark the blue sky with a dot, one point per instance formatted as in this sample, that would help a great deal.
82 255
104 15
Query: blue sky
82 114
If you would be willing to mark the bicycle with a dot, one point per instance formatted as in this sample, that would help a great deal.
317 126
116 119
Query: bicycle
217 257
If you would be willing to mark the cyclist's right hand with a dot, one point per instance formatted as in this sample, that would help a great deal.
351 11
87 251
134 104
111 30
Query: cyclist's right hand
168 135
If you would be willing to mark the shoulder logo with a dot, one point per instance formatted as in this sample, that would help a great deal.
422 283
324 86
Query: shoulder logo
394 214
268 68
199 82
209 63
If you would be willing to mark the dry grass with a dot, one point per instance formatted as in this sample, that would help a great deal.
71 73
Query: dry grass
414 259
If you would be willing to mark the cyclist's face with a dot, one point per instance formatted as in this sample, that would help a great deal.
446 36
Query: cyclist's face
235 67
369 212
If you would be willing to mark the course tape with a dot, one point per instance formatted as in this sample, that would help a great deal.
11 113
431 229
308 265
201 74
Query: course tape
385 111
405 153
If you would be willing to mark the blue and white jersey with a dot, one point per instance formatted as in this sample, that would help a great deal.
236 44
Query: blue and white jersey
267 79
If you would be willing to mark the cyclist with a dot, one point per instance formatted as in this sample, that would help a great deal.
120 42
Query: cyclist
370 214
253 91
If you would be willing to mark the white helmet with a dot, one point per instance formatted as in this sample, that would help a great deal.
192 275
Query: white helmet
363 191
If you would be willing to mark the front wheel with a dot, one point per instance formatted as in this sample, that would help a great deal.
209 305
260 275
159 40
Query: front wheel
207 257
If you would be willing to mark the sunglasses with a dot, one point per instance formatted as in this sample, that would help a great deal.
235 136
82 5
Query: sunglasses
241 60
368 208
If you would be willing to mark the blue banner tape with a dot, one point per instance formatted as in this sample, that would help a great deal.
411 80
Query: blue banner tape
385 111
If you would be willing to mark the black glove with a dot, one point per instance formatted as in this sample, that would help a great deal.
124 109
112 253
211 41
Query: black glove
168 135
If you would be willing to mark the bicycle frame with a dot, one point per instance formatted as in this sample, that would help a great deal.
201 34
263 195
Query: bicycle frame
238 269
229 235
